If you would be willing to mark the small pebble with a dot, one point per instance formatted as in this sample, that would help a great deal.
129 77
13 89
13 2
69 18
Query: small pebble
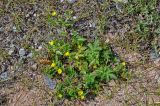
39 48
1 29
61 1
71 1
22 52
34 15
4 76
49 82
92 25
74 17
30 55
14 29
11 51
153 55
27 15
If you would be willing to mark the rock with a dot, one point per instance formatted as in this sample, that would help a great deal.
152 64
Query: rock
1 29
22 52
34 66
71 1
119 8
34 15
49 82
11 51
40 47
14 29
92 25
4 76
61 1
27 15
30 55
154 55
74 17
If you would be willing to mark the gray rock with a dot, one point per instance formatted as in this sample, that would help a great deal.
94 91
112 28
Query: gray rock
22 52
11 51
14 29
35 15
40 47
1 29
71 1
49 82
4 76
153 55
30 55
27 15
74 17
61 1
92 25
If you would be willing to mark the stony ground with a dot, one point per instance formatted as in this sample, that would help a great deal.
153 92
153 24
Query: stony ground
24 32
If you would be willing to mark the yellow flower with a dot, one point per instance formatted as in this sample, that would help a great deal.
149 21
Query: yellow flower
60 95
80 93
66 54
54 13
59 71
82 97
123 63
51 43
53 65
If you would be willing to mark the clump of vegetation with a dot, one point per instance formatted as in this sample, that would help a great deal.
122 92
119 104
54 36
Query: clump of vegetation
146 16
80 66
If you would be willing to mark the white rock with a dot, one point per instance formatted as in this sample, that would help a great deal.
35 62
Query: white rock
11 51
34 15
30 55
40 47
14 29
71 1
27 15
22 52
74 17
